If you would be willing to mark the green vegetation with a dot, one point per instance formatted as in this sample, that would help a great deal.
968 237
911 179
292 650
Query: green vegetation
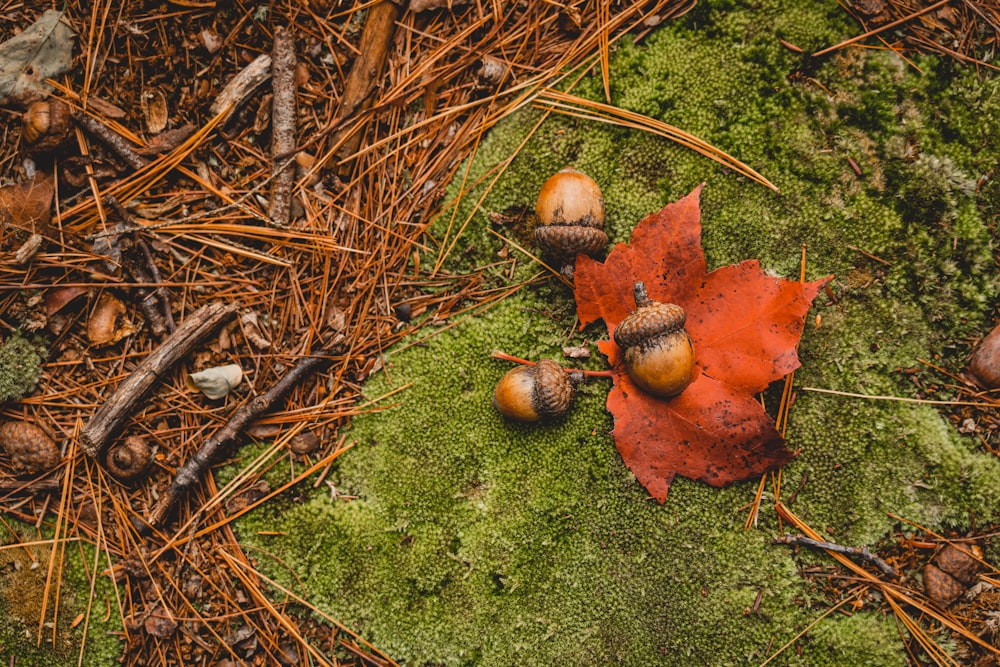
23 573
20 367
477 542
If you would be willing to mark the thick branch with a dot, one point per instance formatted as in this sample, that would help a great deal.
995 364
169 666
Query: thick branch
366 72
212 449
109 418
283 121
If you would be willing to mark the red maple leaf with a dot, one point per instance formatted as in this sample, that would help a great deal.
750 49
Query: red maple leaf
744 326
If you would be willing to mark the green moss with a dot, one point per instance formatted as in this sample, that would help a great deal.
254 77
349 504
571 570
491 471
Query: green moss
20 367
23 573
477 542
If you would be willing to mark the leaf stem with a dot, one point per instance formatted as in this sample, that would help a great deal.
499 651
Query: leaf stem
497 354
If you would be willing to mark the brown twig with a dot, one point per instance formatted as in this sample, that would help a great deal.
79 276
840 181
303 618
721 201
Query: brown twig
118 145
161 291
283 123
197 466
855 552
108 419
160 322
379 31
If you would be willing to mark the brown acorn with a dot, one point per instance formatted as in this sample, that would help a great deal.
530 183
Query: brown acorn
29 447
658 353
570 211
984 364
533 393
46 125
129 459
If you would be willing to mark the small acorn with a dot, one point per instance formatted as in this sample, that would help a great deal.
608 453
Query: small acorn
46 125
658 353
984 364
29 447
570 211
129 460
533 393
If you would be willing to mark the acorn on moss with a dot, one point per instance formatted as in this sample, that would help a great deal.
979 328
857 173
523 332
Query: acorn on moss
659 356
533 393
570 212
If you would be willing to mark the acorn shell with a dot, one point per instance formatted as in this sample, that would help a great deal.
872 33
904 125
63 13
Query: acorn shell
984 364
533 393
29 447
570 197
46 125
130 459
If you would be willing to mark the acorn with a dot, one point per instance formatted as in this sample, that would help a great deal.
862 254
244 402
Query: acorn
29 447
533 393
46 125
570 212
659 357
130 459
984 364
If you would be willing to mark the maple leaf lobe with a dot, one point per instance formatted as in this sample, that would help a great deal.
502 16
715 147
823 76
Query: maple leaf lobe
745 326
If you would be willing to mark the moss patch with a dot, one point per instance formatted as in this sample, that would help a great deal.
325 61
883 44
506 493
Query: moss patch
20 366
476 542
23 572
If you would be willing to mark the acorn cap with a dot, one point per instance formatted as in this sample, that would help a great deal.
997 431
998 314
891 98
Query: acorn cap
570 197
553 389
566 242
649 322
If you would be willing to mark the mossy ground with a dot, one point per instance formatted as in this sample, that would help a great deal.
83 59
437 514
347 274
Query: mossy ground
477 542
23 573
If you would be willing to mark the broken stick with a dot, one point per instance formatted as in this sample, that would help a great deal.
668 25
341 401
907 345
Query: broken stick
212 449
366 72
283 121
855 552
110 417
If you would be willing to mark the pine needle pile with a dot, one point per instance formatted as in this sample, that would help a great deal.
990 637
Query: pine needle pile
164 199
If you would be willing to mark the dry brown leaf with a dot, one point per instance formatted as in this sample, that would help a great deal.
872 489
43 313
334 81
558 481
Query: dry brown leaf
154 109
43 51
27 206
108 323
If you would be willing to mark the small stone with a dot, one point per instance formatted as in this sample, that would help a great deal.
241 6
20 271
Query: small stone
304 442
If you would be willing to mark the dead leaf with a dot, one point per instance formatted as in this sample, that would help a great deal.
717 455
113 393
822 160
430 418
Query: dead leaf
168 140
160 623
216 382
154 109
253 331
58 298
27 206
108 323
744 326
43 51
